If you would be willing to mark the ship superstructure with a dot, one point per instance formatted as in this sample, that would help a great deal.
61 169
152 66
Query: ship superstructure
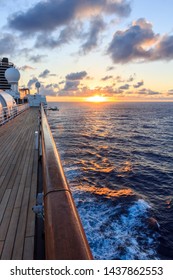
9 78
4 65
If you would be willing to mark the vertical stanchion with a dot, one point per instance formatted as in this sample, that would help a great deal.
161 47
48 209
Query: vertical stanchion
36 140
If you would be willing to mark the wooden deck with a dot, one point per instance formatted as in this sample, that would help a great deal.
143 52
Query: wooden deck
18 186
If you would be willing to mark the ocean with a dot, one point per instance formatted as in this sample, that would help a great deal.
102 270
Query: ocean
118 160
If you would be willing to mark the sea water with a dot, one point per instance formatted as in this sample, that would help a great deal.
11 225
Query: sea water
118 160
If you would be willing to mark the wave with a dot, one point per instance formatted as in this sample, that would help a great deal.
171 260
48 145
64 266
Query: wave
118 230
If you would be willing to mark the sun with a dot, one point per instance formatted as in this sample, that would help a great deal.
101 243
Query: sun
96 98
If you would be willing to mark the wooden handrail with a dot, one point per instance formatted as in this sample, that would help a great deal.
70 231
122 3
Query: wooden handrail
64 235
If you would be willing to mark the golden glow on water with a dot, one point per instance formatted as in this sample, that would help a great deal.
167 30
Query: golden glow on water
96 98
169 202
107 192
127 167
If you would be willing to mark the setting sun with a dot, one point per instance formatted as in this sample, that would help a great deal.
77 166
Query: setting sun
96 98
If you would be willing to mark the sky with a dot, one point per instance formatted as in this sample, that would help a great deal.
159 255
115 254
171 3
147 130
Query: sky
121 50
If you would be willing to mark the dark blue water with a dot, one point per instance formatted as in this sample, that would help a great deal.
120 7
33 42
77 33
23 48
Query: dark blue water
118 160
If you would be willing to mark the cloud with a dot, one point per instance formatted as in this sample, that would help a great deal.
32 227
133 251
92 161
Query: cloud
126 86
131 78
8 44
164 49
65 35
170 92
50 14
139 84
54 86
71 85
110 68
32 82
96 26
44 74
44 16
62 82
37 58
71 32
140 43
50 89
74 88
76 76
70 88
25 51
109 91
122 8
106 78
119 79
89 78
146 91
133 43
26 68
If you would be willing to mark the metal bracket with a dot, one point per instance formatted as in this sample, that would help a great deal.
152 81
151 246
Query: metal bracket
38 209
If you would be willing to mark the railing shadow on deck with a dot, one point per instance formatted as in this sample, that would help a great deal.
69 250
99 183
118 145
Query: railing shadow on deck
65 238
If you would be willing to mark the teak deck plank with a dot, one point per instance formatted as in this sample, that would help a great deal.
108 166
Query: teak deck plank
20 234
18 186
1 246
8 213
28 248
10 238
4 203
9 142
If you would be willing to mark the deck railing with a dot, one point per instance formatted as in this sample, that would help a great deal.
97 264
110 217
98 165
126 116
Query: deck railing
64 235
6 114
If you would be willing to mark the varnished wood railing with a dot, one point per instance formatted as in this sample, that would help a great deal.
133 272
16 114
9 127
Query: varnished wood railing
64 235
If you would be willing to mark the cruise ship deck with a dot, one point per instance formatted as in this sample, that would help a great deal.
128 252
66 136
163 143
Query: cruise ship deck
18 186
